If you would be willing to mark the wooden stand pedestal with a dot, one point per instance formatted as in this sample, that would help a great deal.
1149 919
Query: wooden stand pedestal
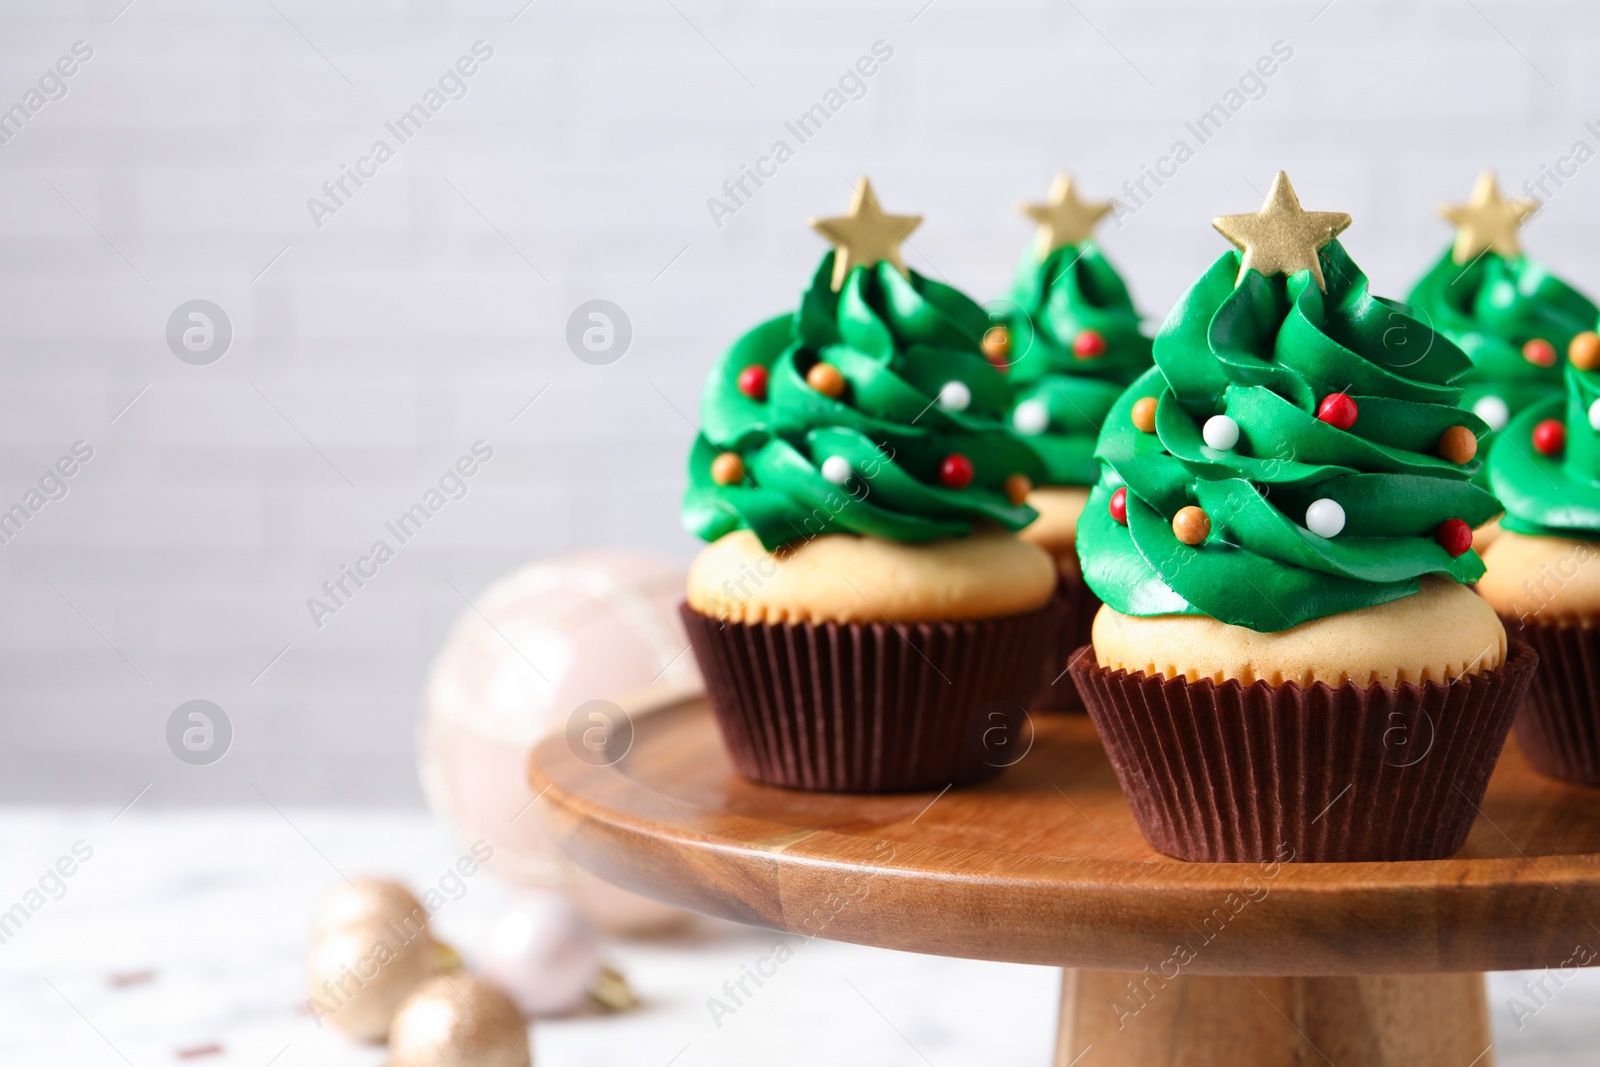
1118 1019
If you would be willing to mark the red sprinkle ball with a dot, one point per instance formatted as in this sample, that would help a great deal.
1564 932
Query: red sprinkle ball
1539 352
1455 536
753 382
1550 437
956 471
1119 506
1089 345
1338 411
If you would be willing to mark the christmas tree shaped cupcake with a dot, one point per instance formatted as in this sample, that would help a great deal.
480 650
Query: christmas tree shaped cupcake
1288 654
865 617
1544 571
1510 315
1070 342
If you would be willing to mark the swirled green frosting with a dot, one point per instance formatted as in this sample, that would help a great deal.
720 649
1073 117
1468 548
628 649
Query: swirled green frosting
1555 496
1266 351
1490 308
898 341
1053 301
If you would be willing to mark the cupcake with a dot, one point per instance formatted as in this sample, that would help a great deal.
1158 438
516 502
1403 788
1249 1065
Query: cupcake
1288 656
1509 314
1544 571
1071 343
865 617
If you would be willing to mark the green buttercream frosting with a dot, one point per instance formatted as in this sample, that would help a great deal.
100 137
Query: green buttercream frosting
1266 351
898 341
1492 306
1074 289
1555 496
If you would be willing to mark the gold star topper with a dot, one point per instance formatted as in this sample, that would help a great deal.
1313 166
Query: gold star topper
1488 221
866 236
1064 219
1282 237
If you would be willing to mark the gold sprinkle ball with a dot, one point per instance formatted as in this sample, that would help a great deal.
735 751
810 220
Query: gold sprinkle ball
1144 414
1017 488
1458 445
1191 525
826 379
727 469
1584 351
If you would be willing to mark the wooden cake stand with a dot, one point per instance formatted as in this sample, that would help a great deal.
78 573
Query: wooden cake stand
1169 963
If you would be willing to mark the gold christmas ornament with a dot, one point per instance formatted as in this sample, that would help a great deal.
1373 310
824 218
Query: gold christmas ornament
866 236
1064 219
357 976
459 1021
1487 221
366 900
1282 237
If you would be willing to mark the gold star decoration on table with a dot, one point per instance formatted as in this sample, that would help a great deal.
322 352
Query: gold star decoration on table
1282 237
866 236
1064 219
1487 221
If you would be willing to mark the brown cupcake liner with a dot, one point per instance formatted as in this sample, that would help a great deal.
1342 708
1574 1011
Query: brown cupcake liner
1076 606
1233 773
871 707
1558 725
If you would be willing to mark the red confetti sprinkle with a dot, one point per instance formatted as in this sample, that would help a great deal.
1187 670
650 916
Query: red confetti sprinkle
1089 345
1550 437
1539 352
956 471
124 979
1338 411
1454 535
1119 506
199 1051
753 382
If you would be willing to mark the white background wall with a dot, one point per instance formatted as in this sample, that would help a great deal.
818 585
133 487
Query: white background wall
371 352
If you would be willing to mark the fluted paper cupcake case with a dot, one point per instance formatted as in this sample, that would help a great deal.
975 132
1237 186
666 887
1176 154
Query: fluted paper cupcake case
1077 606
871 707
1231 773
1558 725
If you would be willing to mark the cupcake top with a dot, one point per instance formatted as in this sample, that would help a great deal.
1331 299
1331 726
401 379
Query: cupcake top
1297 450
1072 337
869 410
1546 466
1507 312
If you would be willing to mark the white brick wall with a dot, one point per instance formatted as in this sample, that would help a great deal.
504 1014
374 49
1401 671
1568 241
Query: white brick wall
406 327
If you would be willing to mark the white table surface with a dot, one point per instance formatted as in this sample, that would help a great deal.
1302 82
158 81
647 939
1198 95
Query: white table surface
214 905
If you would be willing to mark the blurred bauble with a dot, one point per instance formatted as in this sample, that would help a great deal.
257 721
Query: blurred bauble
539 643
543 953
358 975
459 1021
366 900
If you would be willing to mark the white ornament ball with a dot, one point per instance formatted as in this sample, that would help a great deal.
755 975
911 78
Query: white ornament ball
955 396
1221 433
596 624
543 953
1325 518
1031 417
1492 410
836 469
1594 415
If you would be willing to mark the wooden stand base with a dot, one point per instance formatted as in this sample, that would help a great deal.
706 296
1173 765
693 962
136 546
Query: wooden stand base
1118 1019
